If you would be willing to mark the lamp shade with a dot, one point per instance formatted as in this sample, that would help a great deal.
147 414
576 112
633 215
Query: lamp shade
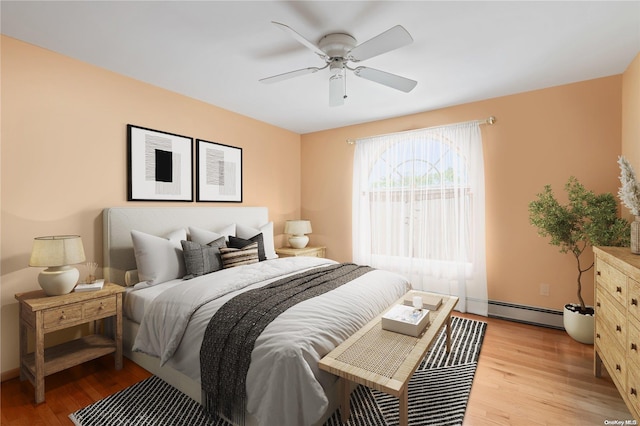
57 253
57 250
297 227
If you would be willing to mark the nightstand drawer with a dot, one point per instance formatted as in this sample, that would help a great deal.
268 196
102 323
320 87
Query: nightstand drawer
62 316
100 308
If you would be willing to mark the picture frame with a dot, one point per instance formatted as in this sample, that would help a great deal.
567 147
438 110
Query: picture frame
218 172
159 165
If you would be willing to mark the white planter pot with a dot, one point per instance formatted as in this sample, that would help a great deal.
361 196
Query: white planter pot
579 326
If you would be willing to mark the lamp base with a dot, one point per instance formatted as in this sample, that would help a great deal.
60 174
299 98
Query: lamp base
58 280
298 241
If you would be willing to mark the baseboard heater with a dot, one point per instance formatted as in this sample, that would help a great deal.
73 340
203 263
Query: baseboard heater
526 314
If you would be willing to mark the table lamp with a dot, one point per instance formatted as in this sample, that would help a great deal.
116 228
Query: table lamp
57 253
297 230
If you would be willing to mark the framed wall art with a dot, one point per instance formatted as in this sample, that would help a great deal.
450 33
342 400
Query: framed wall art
160 165
218 172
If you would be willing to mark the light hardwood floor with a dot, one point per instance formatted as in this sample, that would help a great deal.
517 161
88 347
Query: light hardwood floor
526 375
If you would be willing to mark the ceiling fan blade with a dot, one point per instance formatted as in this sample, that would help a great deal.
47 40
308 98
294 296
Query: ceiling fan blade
390 80
300 39
336 90
288 75
389 40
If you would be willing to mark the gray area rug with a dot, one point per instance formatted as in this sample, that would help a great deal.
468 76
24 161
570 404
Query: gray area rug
438 393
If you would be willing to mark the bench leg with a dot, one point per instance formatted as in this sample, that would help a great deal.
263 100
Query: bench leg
404 406
448 322
345 407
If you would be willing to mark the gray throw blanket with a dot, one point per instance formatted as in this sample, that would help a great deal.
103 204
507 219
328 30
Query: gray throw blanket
230 336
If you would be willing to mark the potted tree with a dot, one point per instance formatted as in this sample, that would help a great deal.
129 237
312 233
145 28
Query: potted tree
587 219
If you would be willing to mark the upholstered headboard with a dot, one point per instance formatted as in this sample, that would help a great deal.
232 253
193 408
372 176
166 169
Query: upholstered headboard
117 223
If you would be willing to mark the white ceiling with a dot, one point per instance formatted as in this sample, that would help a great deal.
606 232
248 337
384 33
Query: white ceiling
216 51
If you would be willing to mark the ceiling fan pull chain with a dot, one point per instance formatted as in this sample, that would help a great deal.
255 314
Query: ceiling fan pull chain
345 86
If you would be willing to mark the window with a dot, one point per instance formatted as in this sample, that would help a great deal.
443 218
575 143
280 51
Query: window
412 190
418 209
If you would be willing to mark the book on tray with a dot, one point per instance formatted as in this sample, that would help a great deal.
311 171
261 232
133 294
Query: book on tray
406 320
431 302
97 285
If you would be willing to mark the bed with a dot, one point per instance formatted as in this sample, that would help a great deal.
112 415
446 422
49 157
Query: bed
165 322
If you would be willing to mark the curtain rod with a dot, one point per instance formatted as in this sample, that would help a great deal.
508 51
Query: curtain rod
490 121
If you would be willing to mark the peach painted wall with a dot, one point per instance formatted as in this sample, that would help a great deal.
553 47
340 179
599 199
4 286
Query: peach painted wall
64 158
540 137
631 115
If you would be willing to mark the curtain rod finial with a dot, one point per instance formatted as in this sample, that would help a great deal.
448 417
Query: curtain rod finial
491 120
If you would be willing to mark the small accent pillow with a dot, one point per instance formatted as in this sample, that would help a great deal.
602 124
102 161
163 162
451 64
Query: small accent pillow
131 277
232 257
235 242
202 259
159 259
203 236
247 232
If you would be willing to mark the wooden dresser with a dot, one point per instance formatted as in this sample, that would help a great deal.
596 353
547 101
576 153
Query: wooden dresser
617 322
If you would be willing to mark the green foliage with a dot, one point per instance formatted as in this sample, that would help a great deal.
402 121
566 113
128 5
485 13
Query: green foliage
587 219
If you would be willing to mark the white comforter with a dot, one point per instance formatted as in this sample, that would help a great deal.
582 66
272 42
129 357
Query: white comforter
284 383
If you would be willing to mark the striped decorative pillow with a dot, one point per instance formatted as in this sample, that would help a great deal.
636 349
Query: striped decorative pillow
232 257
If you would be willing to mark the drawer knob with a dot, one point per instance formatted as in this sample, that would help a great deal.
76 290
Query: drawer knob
63 316
634 302
634 392
101 306
598 273
618 367
598 304
618 328
618 289
634 347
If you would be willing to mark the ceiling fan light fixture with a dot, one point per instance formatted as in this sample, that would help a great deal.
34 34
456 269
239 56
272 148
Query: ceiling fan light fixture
337 67
338 49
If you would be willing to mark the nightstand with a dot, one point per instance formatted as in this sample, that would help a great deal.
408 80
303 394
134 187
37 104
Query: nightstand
43 314
307 251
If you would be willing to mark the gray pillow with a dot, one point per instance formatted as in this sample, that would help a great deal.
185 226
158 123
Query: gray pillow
201 259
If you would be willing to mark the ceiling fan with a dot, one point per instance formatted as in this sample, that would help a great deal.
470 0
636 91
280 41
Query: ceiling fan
339 49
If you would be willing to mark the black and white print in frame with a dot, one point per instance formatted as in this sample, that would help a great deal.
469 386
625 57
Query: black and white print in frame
218 172
160 165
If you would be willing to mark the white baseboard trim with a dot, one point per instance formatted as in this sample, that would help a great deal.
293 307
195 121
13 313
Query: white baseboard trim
526 314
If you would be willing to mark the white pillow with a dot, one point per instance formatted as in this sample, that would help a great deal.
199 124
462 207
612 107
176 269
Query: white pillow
204 237
247 232
159 259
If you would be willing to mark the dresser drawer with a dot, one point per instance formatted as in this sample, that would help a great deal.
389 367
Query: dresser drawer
633 389
100 308
64 316
633 342
611 353
633 298
612 280
609 317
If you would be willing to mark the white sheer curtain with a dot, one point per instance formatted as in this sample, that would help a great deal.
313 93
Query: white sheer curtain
418 209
